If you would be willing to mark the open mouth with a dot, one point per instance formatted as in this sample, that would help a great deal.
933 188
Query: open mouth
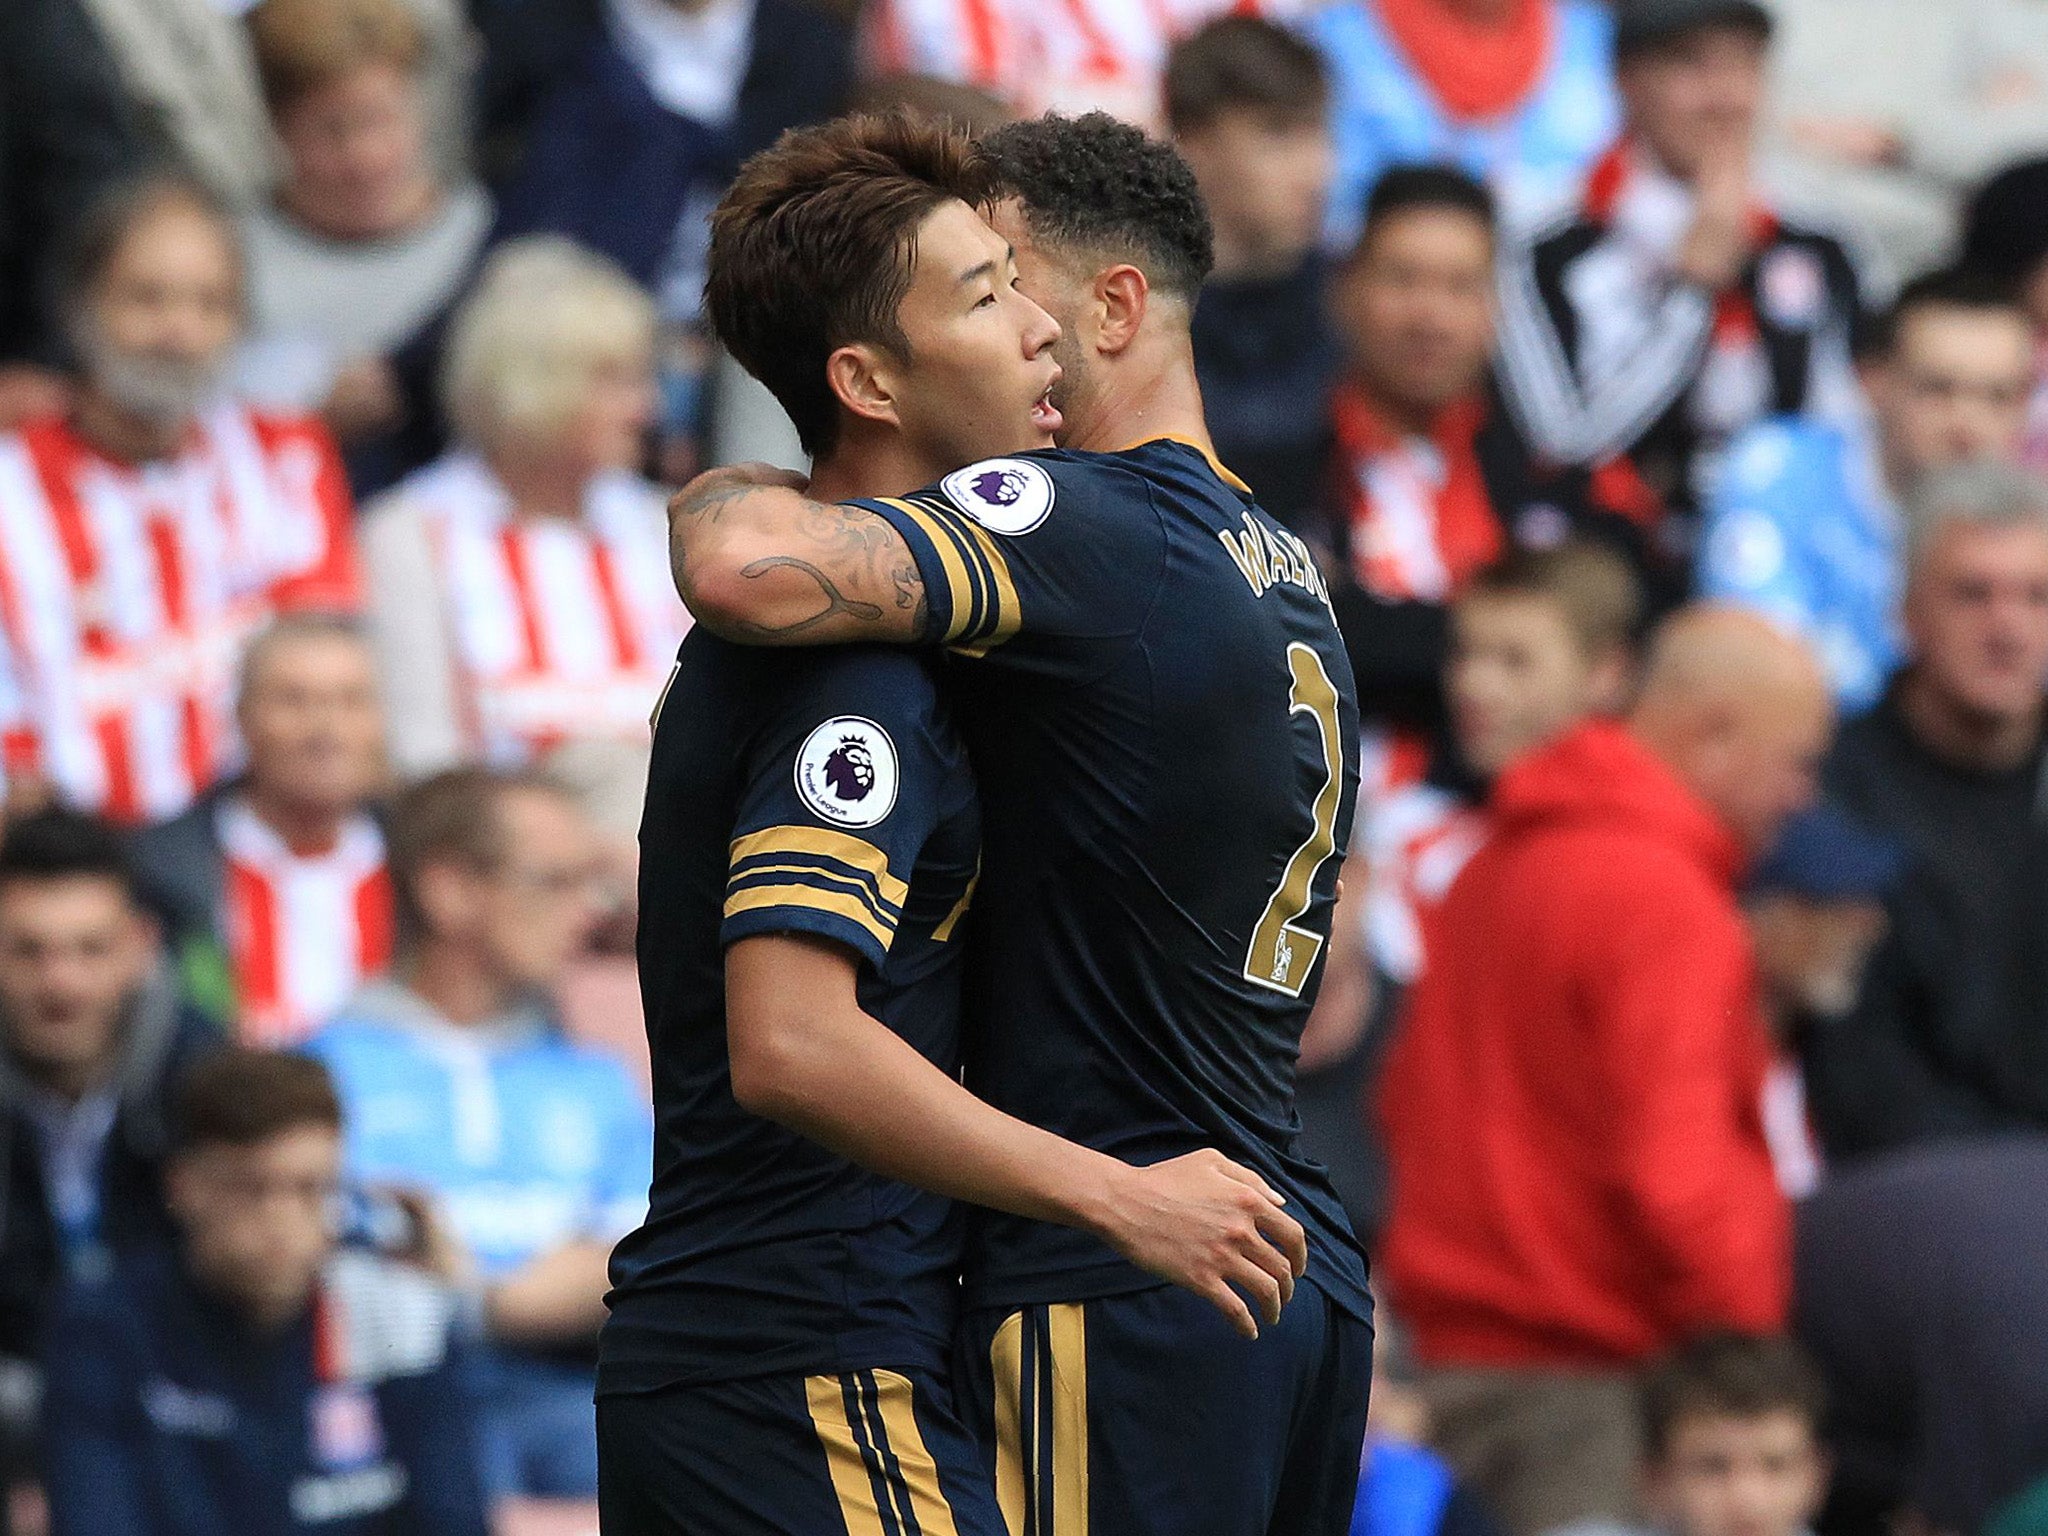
1045 416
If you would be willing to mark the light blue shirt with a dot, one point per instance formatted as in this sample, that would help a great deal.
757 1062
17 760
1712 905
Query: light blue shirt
1801 527
527 1139
1383 114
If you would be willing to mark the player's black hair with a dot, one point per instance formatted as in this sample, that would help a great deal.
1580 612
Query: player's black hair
1099 184
1944 288
65 845
1405 188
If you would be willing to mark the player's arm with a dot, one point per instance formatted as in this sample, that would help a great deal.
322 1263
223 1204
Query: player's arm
759 562
804 1053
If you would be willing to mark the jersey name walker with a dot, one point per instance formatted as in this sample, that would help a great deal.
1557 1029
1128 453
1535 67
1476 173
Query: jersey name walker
808 792
1163 724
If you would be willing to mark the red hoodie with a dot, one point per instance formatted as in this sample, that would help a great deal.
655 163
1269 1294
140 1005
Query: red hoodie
1573 1101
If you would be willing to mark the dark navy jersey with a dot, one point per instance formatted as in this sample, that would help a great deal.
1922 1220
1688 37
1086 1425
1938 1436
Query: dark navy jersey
819 792
1162 720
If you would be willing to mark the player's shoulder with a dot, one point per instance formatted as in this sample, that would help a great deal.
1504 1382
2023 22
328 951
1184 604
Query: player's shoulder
874 699
1047 488
770 681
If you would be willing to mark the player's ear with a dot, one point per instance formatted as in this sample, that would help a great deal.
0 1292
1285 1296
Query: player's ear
1121 297
863 381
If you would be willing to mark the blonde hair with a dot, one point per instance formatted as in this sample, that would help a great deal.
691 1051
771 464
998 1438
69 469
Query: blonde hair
543 318
302 45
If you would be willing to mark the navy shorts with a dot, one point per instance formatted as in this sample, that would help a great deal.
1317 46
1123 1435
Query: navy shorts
1146 1415
869 1453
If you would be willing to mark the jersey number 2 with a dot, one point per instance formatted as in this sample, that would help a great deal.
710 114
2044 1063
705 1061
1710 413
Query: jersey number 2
1283 952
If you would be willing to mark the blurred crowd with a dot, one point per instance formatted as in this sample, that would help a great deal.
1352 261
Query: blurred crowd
1664 386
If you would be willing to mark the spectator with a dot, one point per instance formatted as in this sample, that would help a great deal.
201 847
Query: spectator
273 885
1949 1036
1429 479
1082 56
1732 1436
519 586
1246 100
1804 523
191 77
1404 1487
1573 1098
1540 640
635 140
1889 111
1815 907
459 1083
1674 305
94 1042
1920 1291
1517 92
252 1377
69 133
144 534
2005 236
365 245
186 69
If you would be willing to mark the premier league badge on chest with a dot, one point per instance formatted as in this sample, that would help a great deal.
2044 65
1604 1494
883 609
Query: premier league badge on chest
846 772
347 1431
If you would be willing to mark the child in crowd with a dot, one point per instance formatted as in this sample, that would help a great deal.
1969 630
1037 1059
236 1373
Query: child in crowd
1540 639
255 1377
1732 1439
1731 1442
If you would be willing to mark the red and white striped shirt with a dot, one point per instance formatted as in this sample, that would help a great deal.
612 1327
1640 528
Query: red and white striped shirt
559 629
127 591
1416 838
1048 55
304 930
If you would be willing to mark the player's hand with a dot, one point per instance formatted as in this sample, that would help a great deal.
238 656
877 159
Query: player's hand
1209 1225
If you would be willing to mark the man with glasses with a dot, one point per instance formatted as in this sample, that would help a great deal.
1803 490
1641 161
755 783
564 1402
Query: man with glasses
461 1088
1804 523
252 1376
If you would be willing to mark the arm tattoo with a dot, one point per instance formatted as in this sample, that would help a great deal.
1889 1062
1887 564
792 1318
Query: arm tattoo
864 575
836 602
858 560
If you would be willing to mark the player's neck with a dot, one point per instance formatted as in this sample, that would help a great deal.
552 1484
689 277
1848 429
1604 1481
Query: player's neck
1139 397
872 463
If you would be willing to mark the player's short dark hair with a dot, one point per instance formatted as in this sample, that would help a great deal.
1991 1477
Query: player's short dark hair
1099 185
451 818
1730 1376
1592 586
815 243
1407 188
65 845
1967 288
1244 63
242 1098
